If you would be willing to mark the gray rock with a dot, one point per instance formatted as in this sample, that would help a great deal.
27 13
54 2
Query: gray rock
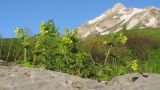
135 82
20 78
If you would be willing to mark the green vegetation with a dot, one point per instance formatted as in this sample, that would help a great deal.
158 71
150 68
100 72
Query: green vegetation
95 57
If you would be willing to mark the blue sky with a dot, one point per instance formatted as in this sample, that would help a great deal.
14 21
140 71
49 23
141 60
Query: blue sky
65 13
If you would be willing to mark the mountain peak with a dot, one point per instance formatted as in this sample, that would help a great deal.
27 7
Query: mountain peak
151 7
118 6
115 18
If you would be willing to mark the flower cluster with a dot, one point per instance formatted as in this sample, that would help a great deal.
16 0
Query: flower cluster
67 40
70 37
43 28
105 42
19 32
134 65
122 39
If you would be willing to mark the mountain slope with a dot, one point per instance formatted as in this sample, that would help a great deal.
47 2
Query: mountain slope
116 18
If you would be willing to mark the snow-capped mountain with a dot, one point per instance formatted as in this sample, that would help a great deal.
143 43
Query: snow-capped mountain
114 19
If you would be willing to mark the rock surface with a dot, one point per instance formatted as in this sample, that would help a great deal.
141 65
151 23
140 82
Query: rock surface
20 78
135 82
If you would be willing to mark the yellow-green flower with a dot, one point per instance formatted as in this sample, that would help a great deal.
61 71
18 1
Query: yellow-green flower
124 39
43 27
67 40
134 65
46 32
19 31
105 42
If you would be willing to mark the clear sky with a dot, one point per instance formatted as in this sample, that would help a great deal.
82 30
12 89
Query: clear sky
65 13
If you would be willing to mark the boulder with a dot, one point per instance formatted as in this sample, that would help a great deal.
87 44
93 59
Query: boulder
21 78
135 81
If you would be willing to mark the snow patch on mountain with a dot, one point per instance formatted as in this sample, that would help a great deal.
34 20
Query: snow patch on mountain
132 23
96 19
127 17
104 33
152 22
118 29
122 11
86 34
114 17
99 29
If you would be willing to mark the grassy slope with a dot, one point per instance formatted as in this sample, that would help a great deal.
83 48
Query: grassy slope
153 33
151 48
143 45
9 48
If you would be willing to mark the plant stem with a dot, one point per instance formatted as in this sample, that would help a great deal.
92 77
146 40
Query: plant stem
34 59
25 54
16 56
9 51
107 54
